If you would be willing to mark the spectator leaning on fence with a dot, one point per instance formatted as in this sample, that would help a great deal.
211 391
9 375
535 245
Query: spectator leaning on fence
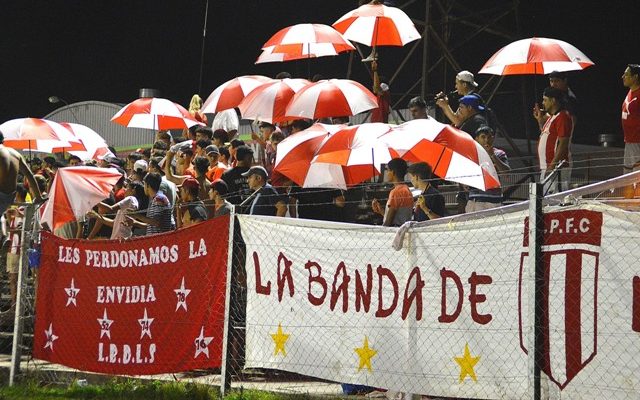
159 215
217 193
191 209
399 207
631 122
430 203
484 200
266 200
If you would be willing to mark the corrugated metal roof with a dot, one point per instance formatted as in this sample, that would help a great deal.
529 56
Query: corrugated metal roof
97 116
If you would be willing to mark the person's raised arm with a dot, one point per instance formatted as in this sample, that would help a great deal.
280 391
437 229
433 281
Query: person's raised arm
177 179
33 185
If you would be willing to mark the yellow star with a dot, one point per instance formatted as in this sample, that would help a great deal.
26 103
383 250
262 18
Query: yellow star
366 354
279 338
466 364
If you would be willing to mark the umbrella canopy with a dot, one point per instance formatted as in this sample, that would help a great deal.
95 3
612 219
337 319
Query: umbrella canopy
357 150
154 113
230 94
75 191
295 153
331 98
304 41
452 153
536 56
94 146
36 134
377 25
269 101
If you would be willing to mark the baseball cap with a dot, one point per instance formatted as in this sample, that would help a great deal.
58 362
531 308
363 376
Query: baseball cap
140 165
256 170
466 76
471 101
190 183
220 186
212 149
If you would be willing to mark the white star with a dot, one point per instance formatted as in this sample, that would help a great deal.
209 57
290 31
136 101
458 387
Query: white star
182 294
145 324
72 292
105 325
202 344
50 337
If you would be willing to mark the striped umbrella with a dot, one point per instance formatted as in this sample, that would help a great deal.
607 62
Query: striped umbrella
230 94
36 134
154 113
536 56
268 102
331 98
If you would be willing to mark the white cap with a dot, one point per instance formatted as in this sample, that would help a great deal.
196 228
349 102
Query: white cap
466 76
140 165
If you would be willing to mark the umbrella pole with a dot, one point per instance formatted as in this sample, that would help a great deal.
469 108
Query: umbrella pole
309 61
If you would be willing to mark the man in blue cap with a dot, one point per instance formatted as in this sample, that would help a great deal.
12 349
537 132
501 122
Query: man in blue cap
470 113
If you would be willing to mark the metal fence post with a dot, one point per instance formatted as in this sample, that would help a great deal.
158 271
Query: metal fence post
18 324
225 375
536 238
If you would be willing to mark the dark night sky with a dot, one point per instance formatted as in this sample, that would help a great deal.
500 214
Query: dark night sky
107 50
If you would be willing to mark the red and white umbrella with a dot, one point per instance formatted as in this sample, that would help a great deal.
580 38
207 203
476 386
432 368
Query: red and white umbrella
36 134
154 113
331 98
452 153
304 41
230 94
295 153
357 150
75 191
536 56
95 147
269 101
377 25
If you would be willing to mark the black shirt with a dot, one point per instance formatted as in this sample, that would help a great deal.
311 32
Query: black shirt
471 124
316 203
237 184
434 201
264 202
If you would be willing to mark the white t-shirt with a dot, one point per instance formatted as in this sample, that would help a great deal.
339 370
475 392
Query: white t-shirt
120 231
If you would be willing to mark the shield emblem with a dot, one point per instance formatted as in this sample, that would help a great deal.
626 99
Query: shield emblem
569 309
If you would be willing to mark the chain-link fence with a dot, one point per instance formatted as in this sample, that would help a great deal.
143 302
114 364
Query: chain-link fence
501 304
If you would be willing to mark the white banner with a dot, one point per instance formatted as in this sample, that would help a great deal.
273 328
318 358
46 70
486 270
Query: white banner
449 314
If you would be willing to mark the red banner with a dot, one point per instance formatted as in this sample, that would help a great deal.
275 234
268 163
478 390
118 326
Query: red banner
144 306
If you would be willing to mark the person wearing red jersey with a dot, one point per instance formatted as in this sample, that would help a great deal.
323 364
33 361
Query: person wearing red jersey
555 139
631 122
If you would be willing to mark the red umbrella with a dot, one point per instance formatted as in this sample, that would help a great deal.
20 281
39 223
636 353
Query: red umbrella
331 98
154 113
268 102
452 154
36 134
230 94
536 56
93 145
75 191
377 25
304 41
295 153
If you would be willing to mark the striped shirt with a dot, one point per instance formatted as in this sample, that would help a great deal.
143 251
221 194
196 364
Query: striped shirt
159 210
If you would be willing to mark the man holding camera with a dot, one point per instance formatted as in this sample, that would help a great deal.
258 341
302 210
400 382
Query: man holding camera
465 86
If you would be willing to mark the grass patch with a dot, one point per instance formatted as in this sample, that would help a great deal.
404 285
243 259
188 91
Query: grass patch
132 389
125 389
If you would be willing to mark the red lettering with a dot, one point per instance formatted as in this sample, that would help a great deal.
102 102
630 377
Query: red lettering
444 317
476 298
340 290
284 275
415 295
315 300
385 312
363 295
635 324
260 288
